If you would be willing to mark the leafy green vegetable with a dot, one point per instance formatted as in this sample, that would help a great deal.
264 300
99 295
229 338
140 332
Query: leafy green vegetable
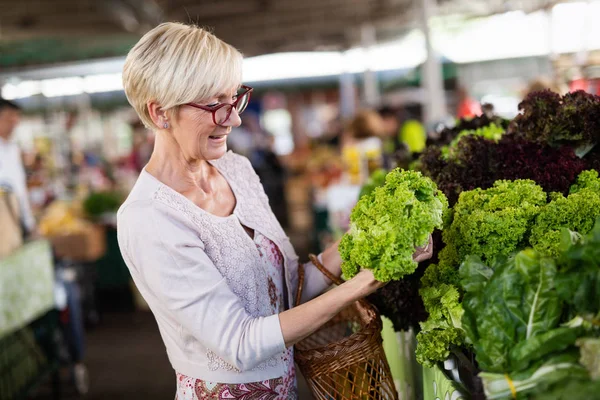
443 328
493 222
486 223
514 318
587 180
387 225
434 345
578 280
437 274
376 180
577 212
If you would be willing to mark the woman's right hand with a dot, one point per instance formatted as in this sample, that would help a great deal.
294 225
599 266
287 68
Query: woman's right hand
367 282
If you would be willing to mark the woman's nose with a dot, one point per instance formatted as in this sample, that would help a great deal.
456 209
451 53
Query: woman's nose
234 119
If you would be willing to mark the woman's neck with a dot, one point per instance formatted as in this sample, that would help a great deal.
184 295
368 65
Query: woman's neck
169 165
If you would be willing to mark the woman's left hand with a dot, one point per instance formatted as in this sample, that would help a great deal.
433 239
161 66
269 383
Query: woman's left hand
425 252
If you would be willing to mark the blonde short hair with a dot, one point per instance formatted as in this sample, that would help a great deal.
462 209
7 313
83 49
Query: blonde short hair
175 64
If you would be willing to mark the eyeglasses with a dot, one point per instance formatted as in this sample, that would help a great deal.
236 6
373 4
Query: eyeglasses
222 112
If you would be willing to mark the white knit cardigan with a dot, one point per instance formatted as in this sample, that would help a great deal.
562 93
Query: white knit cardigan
202 277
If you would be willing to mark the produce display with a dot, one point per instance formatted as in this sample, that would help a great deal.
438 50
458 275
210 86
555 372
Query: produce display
513 290
387 224
62 218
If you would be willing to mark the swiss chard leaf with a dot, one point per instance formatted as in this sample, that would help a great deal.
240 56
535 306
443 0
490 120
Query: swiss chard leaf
516 305
578 278
538 346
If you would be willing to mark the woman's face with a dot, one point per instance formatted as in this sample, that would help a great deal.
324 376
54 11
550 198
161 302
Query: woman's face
196 133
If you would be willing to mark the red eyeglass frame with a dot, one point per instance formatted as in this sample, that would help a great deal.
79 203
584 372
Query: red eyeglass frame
247 90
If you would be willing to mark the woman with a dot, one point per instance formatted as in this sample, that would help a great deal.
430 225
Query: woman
197 233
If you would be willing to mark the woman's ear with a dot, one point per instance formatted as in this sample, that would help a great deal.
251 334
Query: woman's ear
158 115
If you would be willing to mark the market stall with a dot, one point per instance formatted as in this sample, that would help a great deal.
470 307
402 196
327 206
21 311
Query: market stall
508 305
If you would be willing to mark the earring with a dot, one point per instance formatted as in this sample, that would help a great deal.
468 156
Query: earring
166 125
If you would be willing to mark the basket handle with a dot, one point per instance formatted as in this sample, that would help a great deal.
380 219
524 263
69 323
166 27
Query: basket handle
315 260
321 268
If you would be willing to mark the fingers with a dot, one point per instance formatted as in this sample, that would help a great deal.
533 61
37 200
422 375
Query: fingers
425 252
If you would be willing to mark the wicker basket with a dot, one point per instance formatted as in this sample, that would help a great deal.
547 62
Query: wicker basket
344 359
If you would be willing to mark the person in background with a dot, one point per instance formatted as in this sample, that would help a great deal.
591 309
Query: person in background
142 146
269 168
12 172
467 106
391 140
199 236
413 135
362 145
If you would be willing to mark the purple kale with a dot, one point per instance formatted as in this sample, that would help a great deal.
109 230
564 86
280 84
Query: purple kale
548 118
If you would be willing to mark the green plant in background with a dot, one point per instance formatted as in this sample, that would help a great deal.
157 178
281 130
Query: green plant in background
98 203
387 224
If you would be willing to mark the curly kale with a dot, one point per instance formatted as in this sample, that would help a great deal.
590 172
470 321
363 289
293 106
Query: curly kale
492 222
587 180
487 223
387 225
443 328
577 212
400 302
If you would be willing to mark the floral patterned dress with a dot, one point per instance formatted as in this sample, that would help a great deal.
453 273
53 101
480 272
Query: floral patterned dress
283 388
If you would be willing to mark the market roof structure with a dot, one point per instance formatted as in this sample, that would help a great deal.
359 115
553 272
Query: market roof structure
41 32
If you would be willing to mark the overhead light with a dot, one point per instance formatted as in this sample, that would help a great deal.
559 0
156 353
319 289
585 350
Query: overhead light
62 87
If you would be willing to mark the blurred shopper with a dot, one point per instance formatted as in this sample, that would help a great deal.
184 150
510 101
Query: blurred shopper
468 107
413 135
268 167
199 236
12 172
391 140
362 145
141 147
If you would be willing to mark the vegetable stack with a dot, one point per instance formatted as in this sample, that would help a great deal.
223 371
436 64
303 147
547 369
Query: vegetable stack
533 320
